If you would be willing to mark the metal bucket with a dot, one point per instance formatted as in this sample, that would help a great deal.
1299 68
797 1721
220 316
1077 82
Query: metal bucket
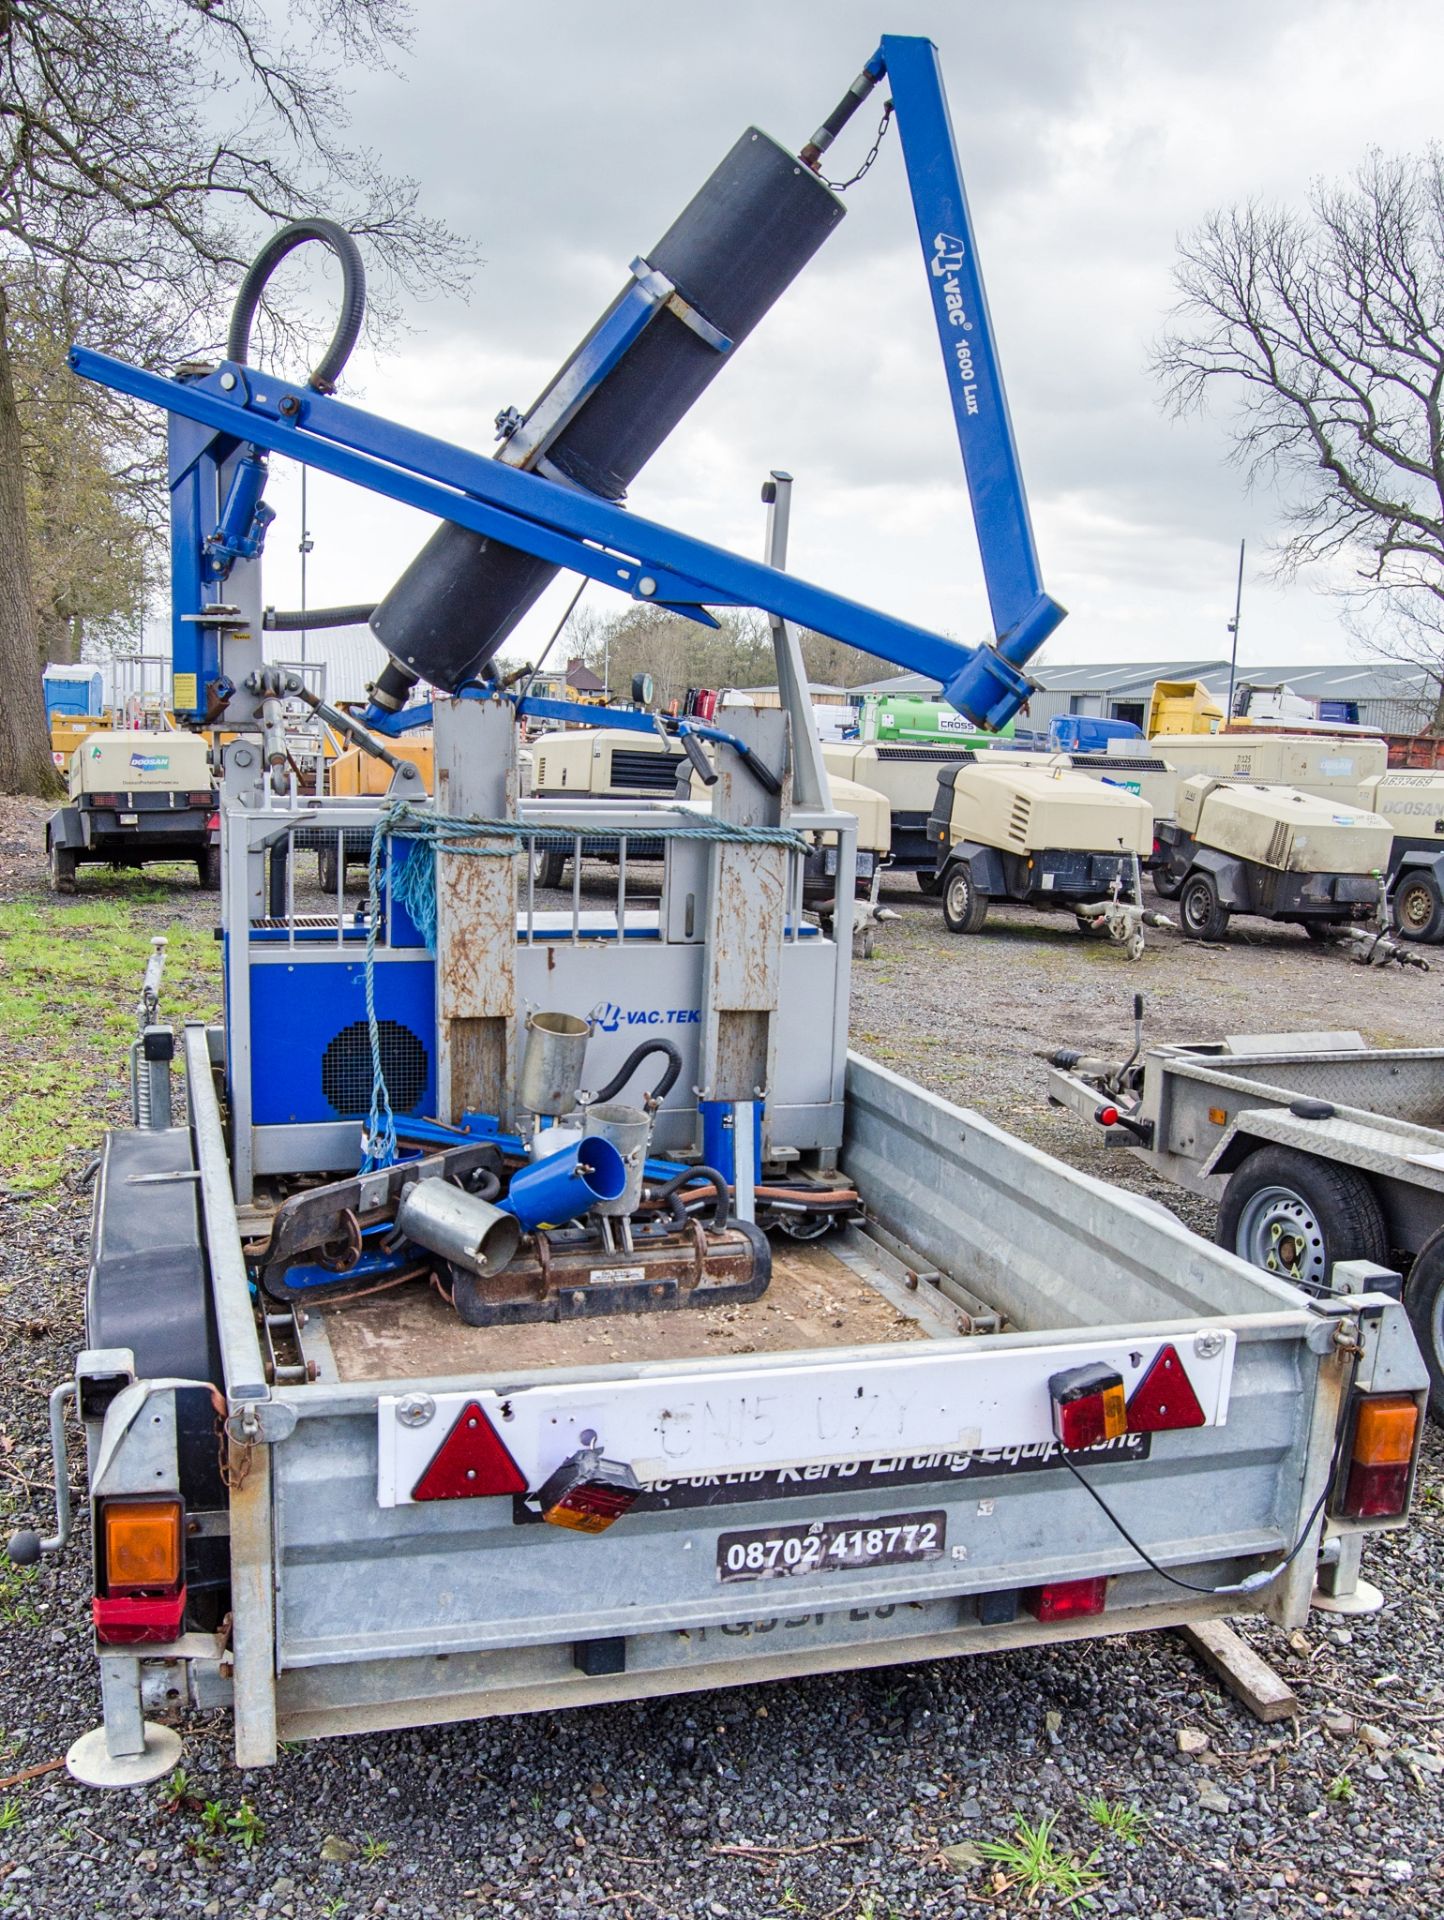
630 1131
551 1066
460 1227
566 1185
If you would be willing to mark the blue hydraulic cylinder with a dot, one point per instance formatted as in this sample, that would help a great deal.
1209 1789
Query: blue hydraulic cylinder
719 1138
240 533
989 688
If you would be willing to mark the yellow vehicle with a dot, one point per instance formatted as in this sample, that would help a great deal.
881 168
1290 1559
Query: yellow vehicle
1182 706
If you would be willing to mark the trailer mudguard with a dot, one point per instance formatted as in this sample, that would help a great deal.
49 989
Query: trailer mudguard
1421 857
65 829
149 1288
1230 876
986 863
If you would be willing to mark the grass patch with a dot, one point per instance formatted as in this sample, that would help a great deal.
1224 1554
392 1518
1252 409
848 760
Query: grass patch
70 973
1124 1819
1030 1862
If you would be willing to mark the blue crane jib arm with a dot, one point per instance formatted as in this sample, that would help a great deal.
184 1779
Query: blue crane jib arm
551 497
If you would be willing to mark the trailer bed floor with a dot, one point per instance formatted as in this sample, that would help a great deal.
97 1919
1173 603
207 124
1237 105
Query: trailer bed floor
842 1292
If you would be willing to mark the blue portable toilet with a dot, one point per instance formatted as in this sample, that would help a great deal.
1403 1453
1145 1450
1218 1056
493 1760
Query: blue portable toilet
73 690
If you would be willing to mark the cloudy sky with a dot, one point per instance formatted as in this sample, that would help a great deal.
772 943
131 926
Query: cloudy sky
563 138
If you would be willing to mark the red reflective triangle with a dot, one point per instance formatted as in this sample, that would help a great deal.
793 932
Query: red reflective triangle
470 1462
1164 1398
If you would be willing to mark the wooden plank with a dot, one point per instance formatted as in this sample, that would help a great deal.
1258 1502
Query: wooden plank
1244 1674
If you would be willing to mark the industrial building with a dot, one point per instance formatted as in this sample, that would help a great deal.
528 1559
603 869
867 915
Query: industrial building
1386 694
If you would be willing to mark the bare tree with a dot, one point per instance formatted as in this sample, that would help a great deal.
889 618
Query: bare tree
1325 328
146 146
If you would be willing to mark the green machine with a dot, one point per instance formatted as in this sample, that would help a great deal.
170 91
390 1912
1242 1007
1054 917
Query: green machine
908 717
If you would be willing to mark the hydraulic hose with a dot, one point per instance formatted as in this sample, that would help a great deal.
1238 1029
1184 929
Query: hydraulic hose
327 371
671 1196
296 620
633 1060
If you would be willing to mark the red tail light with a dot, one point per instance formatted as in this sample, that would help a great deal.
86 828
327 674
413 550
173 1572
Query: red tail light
471 1463
213 823
1067 1599
107 800
1381 1460
1088 1406
199 799
1164 1399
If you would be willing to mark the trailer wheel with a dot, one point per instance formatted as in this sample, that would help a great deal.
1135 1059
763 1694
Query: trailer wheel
1164 884
965 905
1424 1300
1320 932
1295 1215
1202 913
1418 907
208 870
928 883
62 869
326 869
547 866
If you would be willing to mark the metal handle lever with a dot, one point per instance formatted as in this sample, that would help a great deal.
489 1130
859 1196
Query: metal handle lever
26 1547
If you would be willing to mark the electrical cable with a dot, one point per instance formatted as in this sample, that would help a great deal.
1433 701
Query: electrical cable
556 635
1253 1581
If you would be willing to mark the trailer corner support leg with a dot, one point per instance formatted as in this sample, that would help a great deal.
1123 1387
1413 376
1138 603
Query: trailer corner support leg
125 1750
1338 1588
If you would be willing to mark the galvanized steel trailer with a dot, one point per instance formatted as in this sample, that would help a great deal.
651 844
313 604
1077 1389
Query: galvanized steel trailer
351 1606
1317 1148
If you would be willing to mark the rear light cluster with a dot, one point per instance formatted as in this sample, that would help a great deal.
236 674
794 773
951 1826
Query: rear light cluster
1089 1405
1067 1599
1380 1464
587 1493
142 1595
1090 1408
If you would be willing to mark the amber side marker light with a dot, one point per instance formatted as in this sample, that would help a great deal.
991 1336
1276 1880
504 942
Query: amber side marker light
1381 1459
141 1546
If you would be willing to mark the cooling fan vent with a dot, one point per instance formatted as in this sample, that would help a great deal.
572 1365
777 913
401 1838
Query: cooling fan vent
346 1068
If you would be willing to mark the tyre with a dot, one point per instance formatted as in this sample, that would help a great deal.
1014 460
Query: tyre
326 869
1424 1300
1203 915
1295 1215
1164 884
548 864
965 905
63 864
1320 932
208 870
1418 907
929 882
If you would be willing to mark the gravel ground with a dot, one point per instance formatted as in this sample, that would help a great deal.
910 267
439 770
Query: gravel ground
863 1795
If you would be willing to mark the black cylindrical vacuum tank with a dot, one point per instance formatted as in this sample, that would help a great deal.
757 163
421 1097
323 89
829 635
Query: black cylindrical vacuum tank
739 244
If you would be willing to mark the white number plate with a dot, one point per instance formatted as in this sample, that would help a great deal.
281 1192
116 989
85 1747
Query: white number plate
830 1546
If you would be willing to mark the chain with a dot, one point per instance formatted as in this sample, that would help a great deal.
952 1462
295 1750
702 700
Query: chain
841 186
